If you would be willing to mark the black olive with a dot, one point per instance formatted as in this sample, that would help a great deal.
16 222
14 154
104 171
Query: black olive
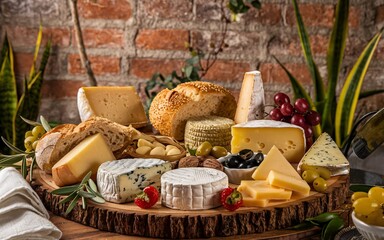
249 166
234 161
246 154
252 162
243 165
259 157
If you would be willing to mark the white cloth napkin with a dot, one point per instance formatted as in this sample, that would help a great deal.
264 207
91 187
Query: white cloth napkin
22 214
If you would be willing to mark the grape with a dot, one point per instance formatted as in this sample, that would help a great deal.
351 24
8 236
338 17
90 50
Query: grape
312 118
380 218
370 218
358 195
301 105
27 134
309 142
365 206
307 130
276 114
287 119
281 98
38 131
287 109
298 120
377 194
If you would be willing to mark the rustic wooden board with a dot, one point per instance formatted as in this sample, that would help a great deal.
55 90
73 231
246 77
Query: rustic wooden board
159 221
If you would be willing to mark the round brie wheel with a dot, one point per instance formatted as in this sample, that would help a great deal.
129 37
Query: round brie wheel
192 188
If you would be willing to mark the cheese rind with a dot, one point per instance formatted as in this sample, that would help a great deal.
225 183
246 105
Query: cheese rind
192 188
87 156
281 180
250 105
261 135
118 104
325 153
120 181
274 161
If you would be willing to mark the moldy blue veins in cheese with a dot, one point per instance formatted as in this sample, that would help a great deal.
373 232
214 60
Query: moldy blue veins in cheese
325 153
121 180
192 188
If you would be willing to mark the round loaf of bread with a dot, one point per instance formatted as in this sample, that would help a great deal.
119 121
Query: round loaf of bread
171 109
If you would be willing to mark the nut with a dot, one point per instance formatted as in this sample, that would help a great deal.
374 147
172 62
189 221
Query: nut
213 163
190 161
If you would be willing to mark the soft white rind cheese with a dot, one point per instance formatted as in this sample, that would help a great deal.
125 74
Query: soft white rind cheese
325 153
192 188
121 180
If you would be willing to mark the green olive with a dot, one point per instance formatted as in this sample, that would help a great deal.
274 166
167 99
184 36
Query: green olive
323 172
320 184
204 149
310 175
219 151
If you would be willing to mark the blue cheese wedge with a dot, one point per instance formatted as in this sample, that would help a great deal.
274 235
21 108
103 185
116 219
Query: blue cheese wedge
120 181
325 153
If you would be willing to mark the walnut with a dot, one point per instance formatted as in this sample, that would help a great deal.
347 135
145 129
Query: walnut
213 163
190 161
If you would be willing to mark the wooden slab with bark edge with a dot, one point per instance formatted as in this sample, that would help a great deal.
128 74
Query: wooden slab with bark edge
162 222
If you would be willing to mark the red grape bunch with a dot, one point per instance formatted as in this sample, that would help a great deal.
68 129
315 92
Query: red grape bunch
298 114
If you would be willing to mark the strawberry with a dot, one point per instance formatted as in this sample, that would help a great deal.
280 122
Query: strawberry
231 199
147 198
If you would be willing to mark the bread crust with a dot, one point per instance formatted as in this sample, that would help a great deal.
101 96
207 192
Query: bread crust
61 139
171 109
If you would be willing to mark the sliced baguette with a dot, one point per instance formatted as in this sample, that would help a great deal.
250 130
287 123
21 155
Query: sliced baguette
171 109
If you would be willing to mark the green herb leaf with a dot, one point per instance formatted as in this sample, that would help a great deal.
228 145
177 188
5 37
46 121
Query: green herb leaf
67 190
31 168
72 205
92 185
323 218
86 194
69 198
98 199
24 169
86 178
84 202
360 187
45 124
90 190
330 230
13 148
30 122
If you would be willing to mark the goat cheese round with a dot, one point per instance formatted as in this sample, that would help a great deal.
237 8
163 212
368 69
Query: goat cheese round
192 188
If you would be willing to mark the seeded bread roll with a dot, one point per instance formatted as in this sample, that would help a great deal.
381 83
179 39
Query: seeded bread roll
171 109
60 140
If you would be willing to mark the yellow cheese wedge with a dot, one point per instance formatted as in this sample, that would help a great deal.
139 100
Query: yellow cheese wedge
267 193
274 161
261 135
250 105
118 104
87 156
278 179
250 202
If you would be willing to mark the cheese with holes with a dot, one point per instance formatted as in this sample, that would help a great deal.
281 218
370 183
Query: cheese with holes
250 105
325 153
285 181
261 135
87 156
122 180
118 104
277 162
259 191
192 188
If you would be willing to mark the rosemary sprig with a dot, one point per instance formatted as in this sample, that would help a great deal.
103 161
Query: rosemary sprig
87 189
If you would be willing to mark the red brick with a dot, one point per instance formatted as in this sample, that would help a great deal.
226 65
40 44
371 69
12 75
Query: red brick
145 68
269 14
167 39
105 9
316 14
273 73
102 38
175 9
23 63
56 89
354 17
379 14
101 65
227 71
22 36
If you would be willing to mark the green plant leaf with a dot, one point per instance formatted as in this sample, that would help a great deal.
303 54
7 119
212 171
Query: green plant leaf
323 218
314 71
335 56
72 205
255 3
350 92
31 168
30 122
13 148
36 54
360 187
330 230
86 178
8 95
86 194
370 93
66 190
11 160
69 198
46 125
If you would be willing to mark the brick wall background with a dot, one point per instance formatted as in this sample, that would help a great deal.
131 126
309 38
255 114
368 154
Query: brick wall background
129 40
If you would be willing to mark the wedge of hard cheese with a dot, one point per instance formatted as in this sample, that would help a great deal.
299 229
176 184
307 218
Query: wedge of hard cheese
261 135
87 156
118 104
274 161
282 180
259 190
325 153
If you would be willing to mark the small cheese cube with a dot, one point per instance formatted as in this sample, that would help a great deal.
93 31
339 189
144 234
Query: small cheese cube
87 156
274 161
281 180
